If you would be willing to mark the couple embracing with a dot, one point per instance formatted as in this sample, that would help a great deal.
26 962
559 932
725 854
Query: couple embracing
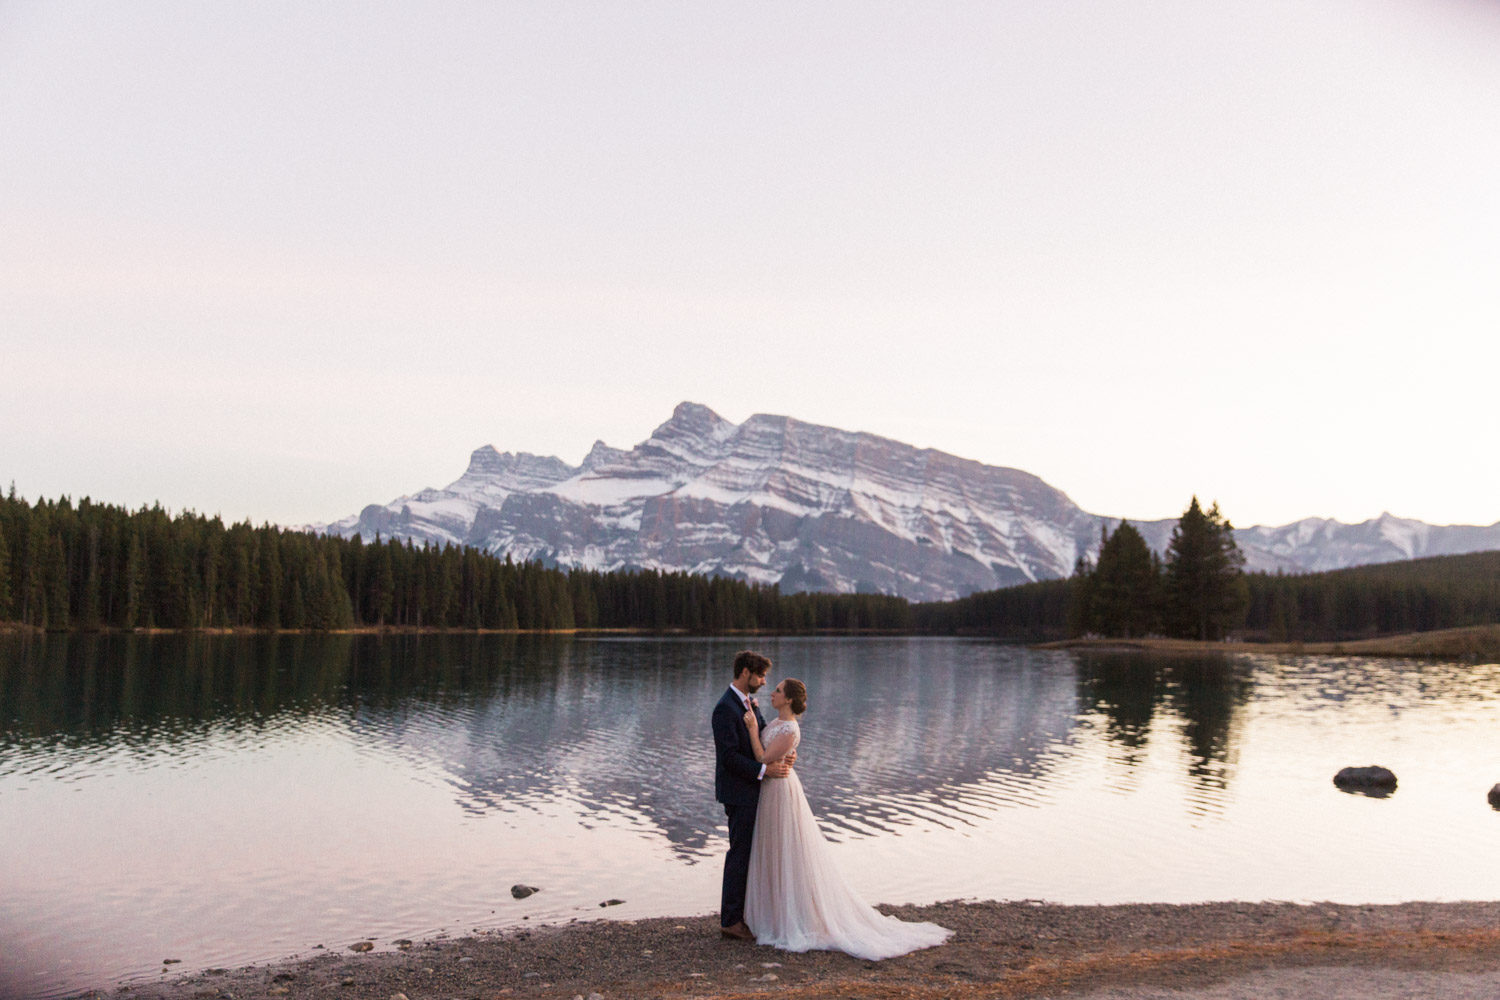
781 886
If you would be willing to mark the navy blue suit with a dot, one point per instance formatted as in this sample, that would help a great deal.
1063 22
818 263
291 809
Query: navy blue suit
737 785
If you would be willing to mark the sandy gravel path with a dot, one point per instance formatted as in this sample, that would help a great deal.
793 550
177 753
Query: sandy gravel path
1016 949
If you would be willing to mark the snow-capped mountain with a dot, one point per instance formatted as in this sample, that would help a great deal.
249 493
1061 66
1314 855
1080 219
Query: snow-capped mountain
1318 543
1315 544
776 500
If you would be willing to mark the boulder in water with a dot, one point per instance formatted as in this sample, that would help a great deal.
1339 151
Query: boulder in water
1374 781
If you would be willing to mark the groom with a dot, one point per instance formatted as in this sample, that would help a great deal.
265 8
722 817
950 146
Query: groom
737 778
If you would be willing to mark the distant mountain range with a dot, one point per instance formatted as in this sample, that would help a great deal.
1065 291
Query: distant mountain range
776 500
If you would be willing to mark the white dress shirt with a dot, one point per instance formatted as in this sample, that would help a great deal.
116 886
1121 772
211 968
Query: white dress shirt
745 701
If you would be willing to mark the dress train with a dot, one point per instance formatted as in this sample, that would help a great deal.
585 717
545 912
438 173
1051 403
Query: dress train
796 898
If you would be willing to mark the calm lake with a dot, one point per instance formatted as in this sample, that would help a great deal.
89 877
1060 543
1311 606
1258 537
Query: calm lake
224 800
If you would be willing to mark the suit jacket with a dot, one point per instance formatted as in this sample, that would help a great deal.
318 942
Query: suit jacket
736 771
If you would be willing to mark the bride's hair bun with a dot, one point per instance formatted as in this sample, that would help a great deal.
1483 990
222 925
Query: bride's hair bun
796 693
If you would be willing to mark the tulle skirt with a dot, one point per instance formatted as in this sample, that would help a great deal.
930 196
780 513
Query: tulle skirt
796 899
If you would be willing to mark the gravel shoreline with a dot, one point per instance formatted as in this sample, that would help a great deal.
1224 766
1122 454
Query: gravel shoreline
1001 949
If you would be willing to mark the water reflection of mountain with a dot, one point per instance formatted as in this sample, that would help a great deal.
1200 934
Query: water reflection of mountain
900 732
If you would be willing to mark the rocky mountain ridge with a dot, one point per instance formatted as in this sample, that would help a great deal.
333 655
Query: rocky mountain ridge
778 500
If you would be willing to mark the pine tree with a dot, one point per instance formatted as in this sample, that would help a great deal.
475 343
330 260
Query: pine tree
384 595
212 557
318 601
296 612
343 609
34 577
244 590
1205 588
268 603
57 584
352 572
447 609
1079 599
135 568
658 601
1281 610
1125 586
89 613
5 609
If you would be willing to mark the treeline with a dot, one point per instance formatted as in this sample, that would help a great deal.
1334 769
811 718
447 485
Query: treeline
1197 592
1418 595
95 566
1027 612
1129 592
91 565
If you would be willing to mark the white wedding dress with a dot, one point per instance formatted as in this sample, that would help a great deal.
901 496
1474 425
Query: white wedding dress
796 899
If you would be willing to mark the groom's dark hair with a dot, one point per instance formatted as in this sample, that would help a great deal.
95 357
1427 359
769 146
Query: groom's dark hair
753 662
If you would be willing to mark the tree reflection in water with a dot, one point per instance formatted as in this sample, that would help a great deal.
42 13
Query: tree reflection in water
1204 694
901 733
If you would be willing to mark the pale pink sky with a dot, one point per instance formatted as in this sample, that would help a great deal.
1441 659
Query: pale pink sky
281 260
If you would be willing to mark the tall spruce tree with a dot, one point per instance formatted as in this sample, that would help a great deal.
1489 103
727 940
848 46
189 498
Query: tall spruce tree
1079 597
268 604
1205 588
89 613
34 579
296 611
244 586
5 609
318 600
135 587
1281 610
1126 583
383 588
57 584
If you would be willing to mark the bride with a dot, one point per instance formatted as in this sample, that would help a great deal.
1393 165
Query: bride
796 899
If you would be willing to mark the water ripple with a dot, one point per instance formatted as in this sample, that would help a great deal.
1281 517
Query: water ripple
334 787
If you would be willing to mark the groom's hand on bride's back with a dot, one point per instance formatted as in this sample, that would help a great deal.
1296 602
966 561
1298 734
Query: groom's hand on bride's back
790 758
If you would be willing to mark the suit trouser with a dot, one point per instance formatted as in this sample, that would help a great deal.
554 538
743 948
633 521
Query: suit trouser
737 862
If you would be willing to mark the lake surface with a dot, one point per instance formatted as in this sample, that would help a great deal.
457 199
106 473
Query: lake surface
223 800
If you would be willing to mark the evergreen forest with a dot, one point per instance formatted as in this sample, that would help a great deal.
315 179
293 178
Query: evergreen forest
97 566
1362 602
1198 591
91 565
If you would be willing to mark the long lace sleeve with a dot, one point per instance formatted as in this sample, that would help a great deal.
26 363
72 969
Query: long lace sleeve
782 742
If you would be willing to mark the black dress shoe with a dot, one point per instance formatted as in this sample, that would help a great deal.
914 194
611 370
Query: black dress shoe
739 931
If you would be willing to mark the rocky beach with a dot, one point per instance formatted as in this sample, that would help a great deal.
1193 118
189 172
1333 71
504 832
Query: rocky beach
1001 949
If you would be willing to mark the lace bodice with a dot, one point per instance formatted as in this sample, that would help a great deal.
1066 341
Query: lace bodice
776 728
